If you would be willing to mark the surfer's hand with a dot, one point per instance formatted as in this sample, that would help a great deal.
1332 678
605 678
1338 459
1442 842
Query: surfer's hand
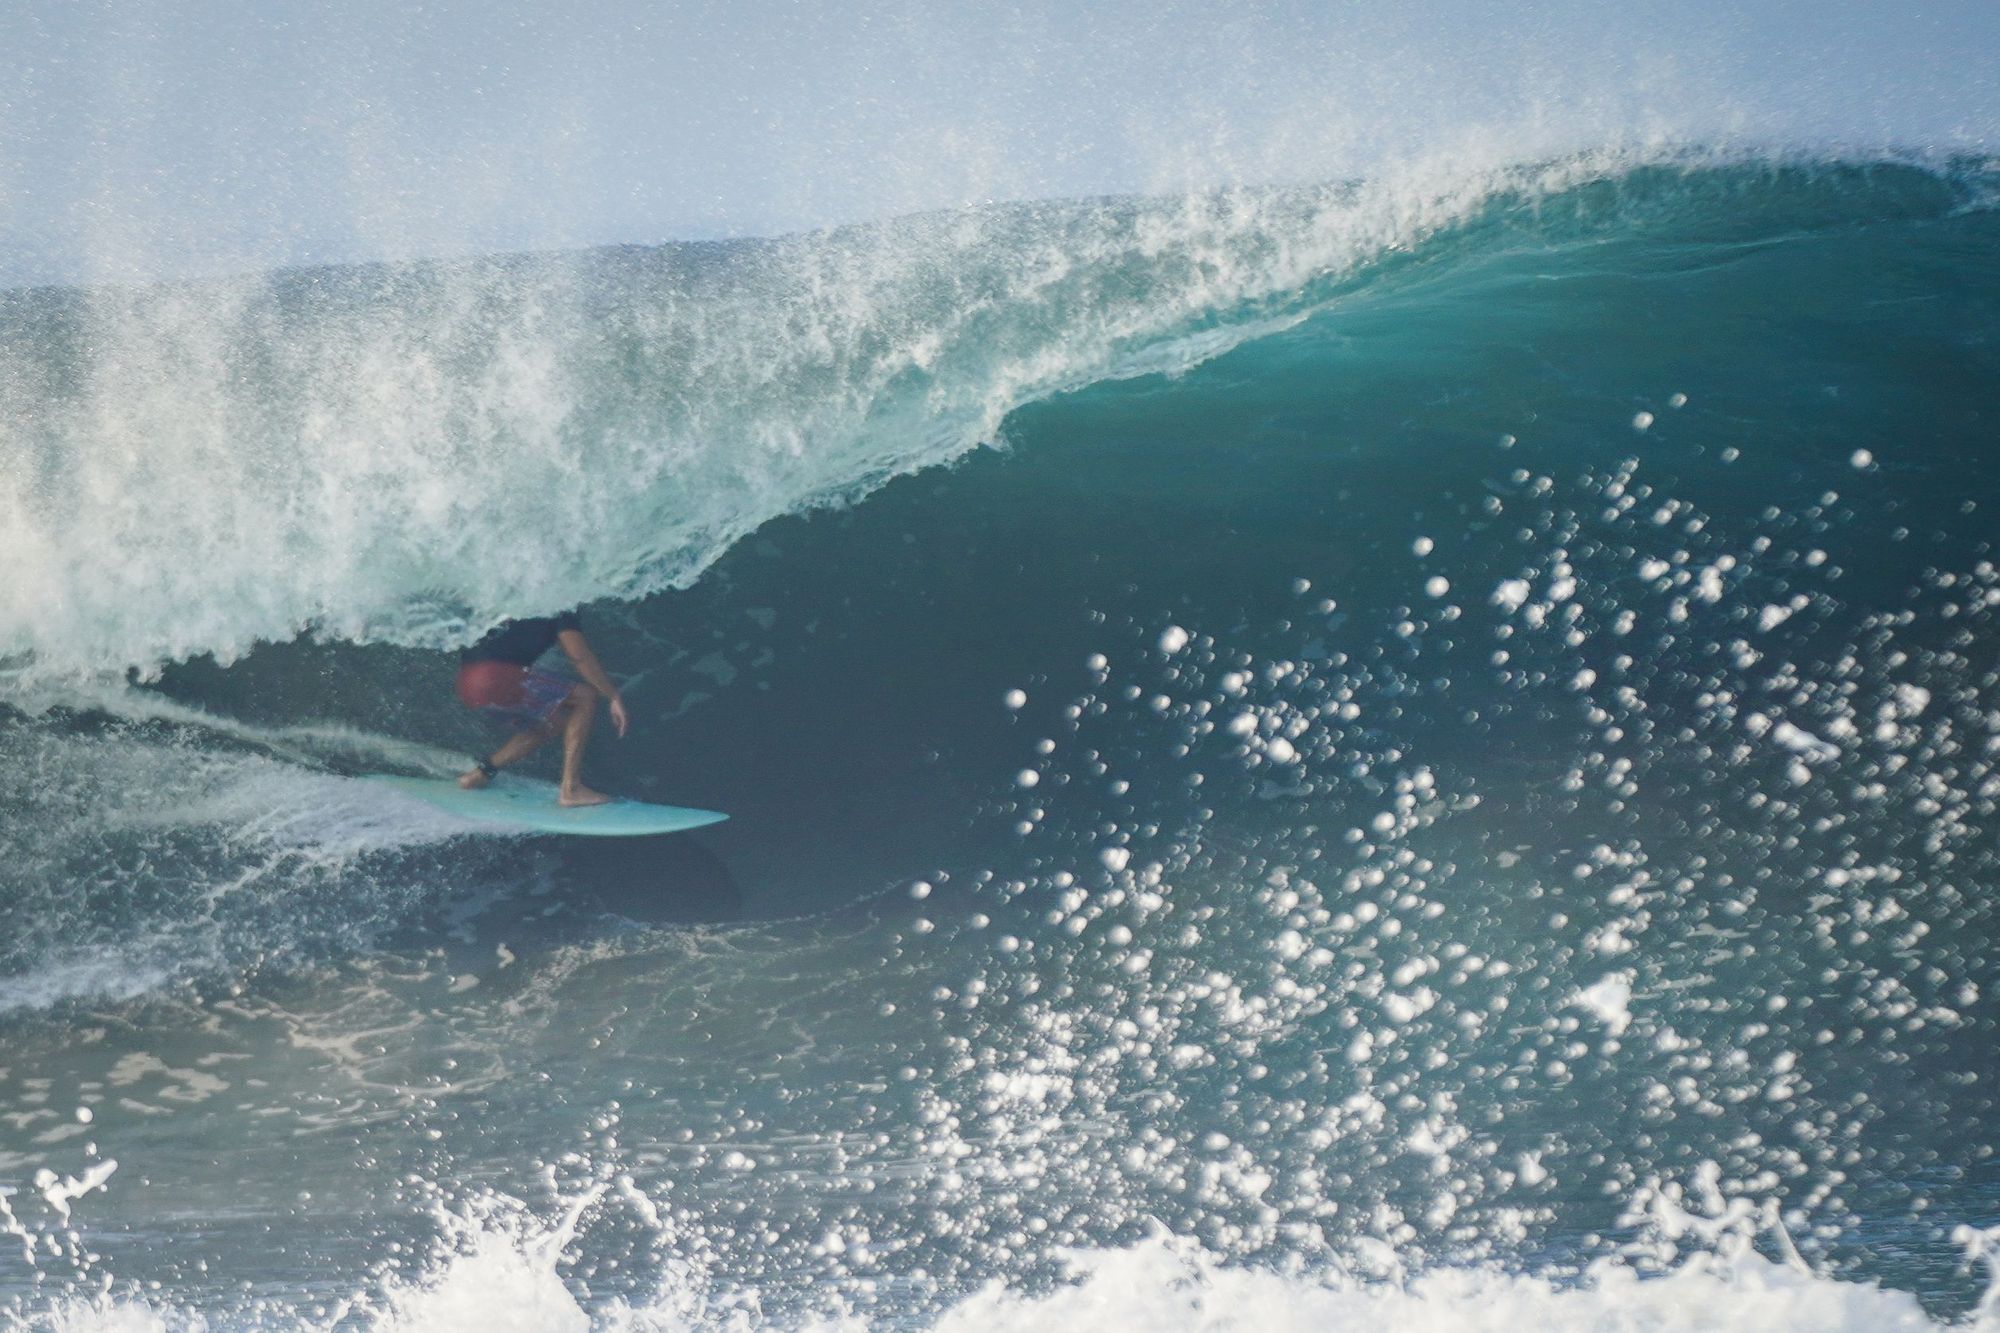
618 718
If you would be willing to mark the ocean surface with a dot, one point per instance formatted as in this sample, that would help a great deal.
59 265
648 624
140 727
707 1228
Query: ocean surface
1403 754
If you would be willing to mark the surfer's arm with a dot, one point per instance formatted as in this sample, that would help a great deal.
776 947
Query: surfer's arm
577 649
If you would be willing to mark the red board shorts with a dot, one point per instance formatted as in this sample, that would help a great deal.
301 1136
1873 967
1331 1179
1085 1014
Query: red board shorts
510 693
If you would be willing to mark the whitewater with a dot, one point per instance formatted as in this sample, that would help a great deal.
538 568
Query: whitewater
1414 748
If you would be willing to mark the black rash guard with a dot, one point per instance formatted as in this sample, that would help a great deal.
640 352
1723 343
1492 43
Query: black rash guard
521 641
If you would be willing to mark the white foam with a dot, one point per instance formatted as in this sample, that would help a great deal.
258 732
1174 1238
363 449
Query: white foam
498 1264
248 826
117 973
500 1278
59 1192
500 1273
1511 594
1169 1286
1610 998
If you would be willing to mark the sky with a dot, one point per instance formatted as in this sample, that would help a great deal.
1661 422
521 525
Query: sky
164 137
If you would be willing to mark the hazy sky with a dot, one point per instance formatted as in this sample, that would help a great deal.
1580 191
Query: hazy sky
141 136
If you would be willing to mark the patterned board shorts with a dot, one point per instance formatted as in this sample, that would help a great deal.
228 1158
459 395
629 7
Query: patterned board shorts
510 694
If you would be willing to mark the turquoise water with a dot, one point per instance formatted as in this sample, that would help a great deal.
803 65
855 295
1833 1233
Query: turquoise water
1443 769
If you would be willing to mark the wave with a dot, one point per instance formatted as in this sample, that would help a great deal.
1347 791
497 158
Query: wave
1512 721
408 453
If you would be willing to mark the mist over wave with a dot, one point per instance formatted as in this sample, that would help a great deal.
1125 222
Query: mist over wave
375 131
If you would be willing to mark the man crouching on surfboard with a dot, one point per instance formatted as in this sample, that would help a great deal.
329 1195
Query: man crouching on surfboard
497 676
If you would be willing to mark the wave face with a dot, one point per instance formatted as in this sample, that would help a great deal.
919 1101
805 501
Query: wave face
1447 771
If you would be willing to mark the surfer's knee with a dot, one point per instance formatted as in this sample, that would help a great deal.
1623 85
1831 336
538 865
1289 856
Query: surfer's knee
582 696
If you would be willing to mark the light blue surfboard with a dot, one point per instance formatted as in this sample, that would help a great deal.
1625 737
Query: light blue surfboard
527 805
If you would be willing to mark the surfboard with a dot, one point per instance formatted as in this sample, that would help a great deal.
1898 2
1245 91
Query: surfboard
529 806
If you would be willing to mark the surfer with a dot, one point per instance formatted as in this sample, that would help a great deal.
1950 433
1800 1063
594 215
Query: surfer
498 677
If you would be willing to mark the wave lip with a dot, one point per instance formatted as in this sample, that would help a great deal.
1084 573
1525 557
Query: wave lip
409 453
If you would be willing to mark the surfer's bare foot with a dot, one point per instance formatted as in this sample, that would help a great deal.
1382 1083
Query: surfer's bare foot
473 779
580 796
